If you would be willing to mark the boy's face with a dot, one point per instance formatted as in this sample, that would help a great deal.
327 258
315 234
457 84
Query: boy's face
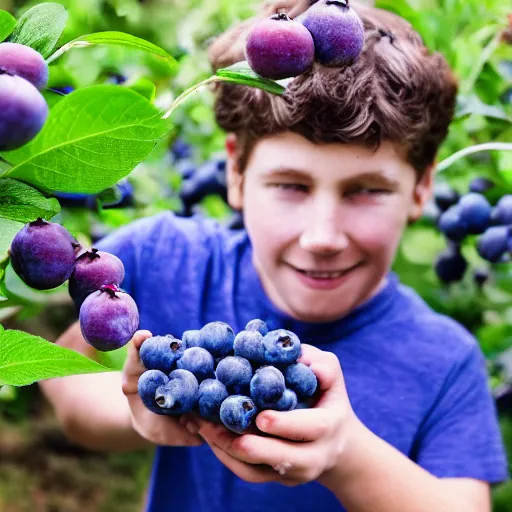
324 220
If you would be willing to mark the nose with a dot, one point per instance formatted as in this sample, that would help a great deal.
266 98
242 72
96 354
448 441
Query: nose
324 233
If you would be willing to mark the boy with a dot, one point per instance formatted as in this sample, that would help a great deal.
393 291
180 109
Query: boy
328 177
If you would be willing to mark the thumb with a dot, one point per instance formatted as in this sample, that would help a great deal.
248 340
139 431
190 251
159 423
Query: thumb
133 367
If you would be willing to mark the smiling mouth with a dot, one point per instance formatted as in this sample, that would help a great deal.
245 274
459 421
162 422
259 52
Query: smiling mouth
325 275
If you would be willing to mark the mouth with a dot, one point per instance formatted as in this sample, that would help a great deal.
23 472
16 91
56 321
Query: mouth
323 275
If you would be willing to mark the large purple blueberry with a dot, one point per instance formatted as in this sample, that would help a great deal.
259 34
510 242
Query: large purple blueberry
191 338
25 62
301 379
108 318
267 386
337 30
198 361
279 47
211 395
43 254
23 112
475 212
93 269
180 394
257 325
237 413
249 344
445 196
281 347
161 352
217 338
287 402
235 373
494 243
147 385
452 224
502 213
450 265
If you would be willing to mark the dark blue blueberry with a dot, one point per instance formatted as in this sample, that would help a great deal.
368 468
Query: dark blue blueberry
236 222
161 352
493 244
204 182
445 196
450 265
481 276
301 379
69 200
481 185
217 338
249 344
257 325
181 149
237 413
235 373
186 168
147 385
281 347
198 361
267 386
211 395
287 402
502 213
191 338
452 225
475 212
180 394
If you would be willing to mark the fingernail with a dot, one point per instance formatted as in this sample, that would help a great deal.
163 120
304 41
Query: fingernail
192 427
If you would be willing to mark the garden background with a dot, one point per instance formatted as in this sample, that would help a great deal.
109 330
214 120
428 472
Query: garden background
39 469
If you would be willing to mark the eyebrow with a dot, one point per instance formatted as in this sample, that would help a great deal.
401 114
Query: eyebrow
381 177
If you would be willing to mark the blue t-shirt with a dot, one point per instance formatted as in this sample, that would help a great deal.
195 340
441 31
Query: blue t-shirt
417 379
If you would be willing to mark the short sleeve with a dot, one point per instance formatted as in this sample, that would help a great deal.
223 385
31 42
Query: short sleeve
460 436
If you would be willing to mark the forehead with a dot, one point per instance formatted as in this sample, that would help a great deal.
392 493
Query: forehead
292 151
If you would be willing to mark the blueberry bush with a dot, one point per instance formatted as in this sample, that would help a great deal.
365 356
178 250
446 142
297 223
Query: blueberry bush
106 117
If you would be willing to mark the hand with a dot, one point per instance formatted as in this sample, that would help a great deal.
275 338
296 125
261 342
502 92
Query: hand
325 434
160 430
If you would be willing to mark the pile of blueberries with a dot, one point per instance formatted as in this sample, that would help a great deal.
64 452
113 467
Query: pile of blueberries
45 255
472 214
225 378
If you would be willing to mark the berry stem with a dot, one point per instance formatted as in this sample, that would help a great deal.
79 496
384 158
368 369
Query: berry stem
490 146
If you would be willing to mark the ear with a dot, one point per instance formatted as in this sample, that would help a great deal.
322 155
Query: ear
234 177
421 194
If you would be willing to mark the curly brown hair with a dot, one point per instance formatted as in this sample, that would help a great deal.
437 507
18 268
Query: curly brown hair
396 91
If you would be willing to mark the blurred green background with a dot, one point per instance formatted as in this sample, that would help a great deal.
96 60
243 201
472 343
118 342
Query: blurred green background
39 469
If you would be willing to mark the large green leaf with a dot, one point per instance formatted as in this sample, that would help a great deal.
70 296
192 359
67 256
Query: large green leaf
23 203
241 73
41 27
7 24
25 359
92 139
117 39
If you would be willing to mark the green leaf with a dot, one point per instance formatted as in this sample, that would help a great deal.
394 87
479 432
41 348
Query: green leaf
117 39
145 88
22 203
7 24
467 105
8 230
25 359
241 73
41 27
92 138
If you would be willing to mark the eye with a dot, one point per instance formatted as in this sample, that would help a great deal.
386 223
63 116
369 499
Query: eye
367 191
295 187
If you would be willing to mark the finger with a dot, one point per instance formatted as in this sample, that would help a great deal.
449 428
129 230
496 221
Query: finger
299 425
133 367
325 365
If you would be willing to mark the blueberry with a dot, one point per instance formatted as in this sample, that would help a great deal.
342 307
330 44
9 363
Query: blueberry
211 395
337 30
204 182
93 269
180 149
301 379
287 402
281 347
452 225
43 254
198 361
236 221
481 185
267 386
480 276
475 212
237 413
217 338
186 168
180 394
161 352
25 62
108 318
279 47
235 373
147 385
249 344
23 112
257 325
450 265
494 243
445 196
191 338
502 213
